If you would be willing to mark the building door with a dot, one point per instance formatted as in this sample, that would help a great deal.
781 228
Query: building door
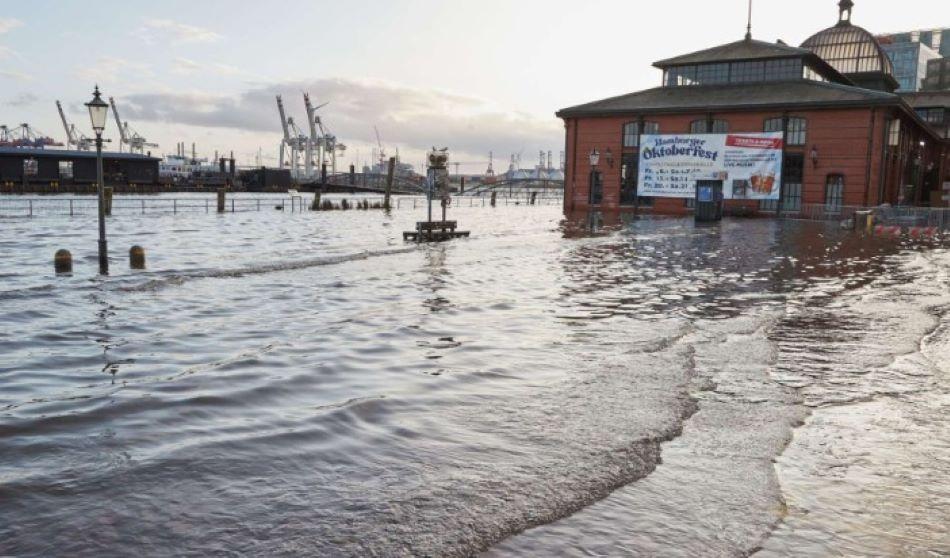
628 179
596 188
834 193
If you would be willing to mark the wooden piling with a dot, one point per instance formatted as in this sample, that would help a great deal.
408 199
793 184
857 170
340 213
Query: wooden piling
221 200
63 261
534 197
107 196
137 257
315 206
493 195
389 182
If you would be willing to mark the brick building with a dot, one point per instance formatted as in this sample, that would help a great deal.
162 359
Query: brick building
849 139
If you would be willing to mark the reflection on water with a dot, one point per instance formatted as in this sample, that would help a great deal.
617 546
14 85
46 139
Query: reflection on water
333 391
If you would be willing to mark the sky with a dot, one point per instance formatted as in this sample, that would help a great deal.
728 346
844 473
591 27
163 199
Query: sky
477 77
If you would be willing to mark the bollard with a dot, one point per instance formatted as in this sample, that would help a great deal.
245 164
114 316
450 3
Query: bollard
137 257
107 194
220 200
493 194
63 261
315 206
534 197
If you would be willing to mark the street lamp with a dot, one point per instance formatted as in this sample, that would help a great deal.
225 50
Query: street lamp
98 110
594 157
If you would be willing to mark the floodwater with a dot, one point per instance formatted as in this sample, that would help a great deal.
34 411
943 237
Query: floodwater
285 383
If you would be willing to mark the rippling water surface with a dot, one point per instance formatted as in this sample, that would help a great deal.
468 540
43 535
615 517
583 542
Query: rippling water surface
308 384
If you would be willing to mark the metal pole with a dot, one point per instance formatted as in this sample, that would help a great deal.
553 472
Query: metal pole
103 246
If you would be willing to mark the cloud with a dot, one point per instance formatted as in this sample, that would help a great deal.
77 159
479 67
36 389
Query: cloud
156 30
22 100
9 23
184 66
7 52
415 118
111 69
15 75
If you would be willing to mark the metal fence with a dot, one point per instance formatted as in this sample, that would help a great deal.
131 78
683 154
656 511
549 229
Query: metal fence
938 217
18 206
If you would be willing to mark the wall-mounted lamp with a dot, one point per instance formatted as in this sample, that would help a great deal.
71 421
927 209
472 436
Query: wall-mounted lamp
814 156
594 157
610 157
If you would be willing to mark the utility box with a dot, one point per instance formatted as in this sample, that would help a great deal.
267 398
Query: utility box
708 200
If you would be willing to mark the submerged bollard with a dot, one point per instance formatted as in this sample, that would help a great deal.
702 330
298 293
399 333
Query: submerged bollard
107 195
137 257
493 194
220 200
315 206
63 261
534 197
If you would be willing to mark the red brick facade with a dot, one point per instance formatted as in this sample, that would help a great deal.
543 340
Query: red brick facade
852 142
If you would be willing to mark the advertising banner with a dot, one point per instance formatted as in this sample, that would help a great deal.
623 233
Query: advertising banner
749 165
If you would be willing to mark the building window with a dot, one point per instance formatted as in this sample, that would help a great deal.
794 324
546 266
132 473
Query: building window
645 201
690 203
793 170
797 133
680 75
596 188
932 115
65 169
784 69
747 72
631 134
651 128
708 74
894 133
709 127
834 193
30 167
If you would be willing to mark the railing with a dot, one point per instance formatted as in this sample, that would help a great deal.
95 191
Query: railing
938 217
19 206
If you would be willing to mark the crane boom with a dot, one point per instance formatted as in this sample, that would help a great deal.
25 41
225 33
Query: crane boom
283 119
70 135
122 130
311 118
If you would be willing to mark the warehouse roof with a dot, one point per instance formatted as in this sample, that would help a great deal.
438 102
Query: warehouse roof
784 94
71 154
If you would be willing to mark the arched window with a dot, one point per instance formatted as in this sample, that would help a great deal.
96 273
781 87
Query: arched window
797 133
708 127
631 134
834 193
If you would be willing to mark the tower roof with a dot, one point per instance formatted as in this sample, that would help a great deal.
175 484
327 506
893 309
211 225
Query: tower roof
853 51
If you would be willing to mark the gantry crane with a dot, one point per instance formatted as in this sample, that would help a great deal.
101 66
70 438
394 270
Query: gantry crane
74 139
136 142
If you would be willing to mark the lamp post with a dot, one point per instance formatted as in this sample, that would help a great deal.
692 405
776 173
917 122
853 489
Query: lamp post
98 110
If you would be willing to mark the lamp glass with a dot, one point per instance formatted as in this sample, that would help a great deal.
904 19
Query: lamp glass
594 157
98 111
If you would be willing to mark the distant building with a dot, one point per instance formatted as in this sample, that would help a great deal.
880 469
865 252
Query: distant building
910 63
937 40
26 167
938 75
933 107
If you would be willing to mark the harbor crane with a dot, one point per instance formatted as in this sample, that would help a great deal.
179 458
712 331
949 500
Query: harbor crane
323 144
25 136
136 142
74 138
294 141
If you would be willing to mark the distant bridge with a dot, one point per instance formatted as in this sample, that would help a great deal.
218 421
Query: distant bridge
515 186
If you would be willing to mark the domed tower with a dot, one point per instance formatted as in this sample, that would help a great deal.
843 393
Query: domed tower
854 52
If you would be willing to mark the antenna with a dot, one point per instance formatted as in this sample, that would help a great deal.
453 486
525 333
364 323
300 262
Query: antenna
748 33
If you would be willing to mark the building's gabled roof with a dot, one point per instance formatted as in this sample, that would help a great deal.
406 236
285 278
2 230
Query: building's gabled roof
744 96
72 154
748 49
